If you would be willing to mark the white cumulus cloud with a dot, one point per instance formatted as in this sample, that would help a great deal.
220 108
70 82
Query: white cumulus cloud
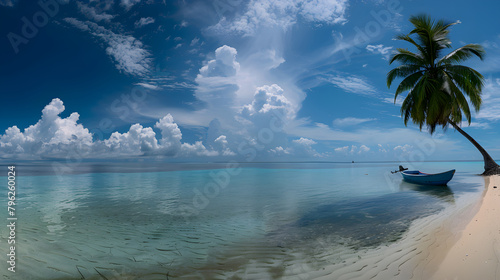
216 84
363 148
56 137
170 135
196 149
224 64
305 141
51 136
137 141
268 99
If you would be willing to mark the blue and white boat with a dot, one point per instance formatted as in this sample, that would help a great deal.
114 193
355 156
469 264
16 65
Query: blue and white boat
417 177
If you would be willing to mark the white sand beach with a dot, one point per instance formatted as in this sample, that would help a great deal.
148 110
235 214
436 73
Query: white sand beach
476 251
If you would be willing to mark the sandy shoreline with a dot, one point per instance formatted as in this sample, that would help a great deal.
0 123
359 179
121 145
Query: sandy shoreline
474 252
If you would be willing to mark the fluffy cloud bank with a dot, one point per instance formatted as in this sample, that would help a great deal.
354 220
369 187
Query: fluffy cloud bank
51 136
56 137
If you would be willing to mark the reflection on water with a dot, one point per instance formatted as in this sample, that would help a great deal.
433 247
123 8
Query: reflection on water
442 192
129 223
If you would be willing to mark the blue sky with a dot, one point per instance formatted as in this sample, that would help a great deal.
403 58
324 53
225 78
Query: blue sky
226 80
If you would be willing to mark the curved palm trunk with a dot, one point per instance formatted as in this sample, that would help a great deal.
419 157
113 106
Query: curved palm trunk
490 166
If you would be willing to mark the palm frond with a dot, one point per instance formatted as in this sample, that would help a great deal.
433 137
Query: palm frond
407 57
407 38
463 53
401 71
458 100
469 80
408 83
406 109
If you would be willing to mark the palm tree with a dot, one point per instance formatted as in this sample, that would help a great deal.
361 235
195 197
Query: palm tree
438 85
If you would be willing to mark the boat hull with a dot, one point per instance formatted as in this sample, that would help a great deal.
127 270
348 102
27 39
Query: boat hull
417 177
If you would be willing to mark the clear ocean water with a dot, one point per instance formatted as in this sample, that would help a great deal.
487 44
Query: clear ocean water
208 221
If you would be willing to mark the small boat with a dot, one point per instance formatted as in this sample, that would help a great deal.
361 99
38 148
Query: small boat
417 177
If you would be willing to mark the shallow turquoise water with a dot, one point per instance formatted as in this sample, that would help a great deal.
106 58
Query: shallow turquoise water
154 224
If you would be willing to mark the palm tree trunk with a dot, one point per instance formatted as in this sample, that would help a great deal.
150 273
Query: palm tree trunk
490 166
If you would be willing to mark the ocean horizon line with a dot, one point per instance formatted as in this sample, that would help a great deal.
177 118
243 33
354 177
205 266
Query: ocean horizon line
120 161
59 168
